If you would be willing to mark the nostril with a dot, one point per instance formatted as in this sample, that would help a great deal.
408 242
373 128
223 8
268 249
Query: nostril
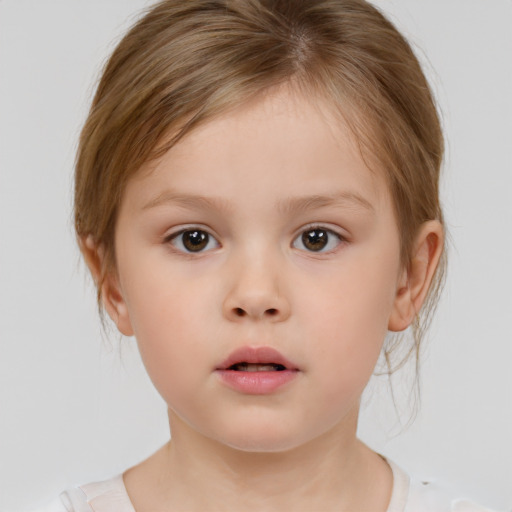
272 311
239 312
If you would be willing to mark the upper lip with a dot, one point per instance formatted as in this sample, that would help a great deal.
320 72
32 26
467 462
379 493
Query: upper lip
255 355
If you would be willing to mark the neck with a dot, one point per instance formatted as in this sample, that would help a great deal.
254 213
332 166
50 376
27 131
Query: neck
333 472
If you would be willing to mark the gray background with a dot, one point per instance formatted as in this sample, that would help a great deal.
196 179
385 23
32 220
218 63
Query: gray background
72 410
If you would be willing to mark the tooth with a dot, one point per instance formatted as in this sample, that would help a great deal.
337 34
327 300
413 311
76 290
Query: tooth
261 367
252 367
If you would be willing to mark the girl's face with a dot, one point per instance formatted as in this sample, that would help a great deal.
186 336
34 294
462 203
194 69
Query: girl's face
261 228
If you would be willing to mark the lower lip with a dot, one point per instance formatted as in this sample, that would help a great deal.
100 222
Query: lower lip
256 383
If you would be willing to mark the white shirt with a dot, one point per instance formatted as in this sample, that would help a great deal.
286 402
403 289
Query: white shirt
408 495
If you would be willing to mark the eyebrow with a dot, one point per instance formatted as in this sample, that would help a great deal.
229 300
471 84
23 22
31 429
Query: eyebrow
189 201
345 199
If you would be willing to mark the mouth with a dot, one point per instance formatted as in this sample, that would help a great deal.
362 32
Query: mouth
257 371
256 367
257 359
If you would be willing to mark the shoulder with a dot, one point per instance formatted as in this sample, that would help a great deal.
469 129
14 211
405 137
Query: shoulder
431 497
104 496
414 495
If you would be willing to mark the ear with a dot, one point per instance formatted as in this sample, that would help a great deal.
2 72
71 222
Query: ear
108 283
414 282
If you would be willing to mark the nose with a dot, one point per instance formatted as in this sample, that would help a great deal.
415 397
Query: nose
256 294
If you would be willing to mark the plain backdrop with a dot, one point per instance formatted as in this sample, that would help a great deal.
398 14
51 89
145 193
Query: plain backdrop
74 407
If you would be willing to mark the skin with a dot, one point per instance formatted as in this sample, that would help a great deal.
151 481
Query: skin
259 171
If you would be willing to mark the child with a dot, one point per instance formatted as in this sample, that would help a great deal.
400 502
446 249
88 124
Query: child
257 199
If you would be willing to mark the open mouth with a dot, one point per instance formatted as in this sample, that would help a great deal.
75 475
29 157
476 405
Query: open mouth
256 367
261 370
256 359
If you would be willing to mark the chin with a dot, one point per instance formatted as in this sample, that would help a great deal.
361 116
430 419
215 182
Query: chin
261 438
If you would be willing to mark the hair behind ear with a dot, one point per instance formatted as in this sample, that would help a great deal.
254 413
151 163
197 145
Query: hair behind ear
93 256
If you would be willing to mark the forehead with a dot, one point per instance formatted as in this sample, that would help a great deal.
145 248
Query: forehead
280 143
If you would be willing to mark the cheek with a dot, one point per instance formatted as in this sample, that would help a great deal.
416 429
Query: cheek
171 322
346 320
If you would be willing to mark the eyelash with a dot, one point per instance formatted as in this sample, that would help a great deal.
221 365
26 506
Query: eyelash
176 240
318 227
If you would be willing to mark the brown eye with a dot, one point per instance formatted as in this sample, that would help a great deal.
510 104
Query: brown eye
193 240
317 240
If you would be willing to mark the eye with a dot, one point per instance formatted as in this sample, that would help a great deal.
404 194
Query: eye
317 239
193 240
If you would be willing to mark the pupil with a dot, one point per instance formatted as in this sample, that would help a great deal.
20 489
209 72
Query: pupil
195 240
315 240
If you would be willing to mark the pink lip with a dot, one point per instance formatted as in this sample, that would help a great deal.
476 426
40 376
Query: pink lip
256 383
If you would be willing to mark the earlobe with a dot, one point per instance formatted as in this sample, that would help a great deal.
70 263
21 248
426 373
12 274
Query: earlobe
108 282
415 281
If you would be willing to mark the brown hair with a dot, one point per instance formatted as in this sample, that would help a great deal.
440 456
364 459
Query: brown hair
185 62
